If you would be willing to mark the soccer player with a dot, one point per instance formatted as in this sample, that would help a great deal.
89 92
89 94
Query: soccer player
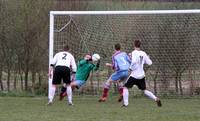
120 63
137 77
62 62
85 66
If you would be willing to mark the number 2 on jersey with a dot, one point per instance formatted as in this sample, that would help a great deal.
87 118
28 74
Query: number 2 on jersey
64 56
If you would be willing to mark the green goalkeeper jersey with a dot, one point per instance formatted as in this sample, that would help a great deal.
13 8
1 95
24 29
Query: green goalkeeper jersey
84 68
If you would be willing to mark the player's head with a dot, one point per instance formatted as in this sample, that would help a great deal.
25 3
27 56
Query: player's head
137 43
88 57
117 46
66 48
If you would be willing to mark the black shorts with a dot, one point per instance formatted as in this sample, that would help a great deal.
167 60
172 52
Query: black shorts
133 81
61 73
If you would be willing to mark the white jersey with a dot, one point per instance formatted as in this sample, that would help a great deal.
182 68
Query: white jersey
139 58
64 58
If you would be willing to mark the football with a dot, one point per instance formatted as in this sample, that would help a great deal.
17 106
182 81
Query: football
95 57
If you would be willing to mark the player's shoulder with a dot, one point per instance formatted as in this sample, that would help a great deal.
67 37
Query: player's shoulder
58 53
136 52
139 51
143 52
82 60
68 53
119 54
61 52
123 53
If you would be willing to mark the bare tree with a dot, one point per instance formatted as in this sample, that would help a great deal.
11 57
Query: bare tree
32 25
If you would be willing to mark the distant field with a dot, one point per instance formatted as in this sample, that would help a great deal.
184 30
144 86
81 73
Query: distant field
88 109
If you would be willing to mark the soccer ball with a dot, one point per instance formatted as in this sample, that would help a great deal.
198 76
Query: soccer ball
95 57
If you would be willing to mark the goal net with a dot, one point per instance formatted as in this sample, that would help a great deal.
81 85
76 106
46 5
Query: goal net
170 37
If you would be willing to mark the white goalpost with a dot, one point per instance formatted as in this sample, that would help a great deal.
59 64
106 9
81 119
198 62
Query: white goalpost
97 31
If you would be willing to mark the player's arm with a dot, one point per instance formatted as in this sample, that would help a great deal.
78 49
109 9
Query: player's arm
128 59
54 61
52 65
73 64
96 67
88 57
147 60
50 71
111 65
108 64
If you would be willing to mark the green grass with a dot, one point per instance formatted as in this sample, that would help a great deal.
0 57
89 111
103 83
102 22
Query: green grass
88 109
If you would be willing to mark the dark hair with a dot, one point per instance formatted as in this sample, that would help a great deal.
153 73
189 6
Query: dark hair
137 43
66 48
117 46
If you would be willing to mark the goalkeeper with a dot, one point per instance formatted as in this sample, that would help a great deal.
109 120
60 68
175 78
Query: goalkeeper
85 66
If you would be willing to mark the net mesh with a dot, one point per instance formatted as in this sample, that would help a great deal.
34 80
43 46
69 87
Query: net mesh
171 40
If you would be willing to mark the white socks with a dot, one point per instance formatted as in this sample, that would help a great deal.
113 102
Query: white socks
69 94
146 92
52 90
150 95
125 96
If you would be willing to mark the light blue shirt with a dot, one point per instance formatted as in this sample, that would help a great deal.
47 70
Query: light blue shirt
121 61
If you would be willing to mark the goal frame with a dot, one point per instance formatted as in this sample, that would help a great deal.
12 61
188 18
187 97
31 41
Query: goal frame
136 12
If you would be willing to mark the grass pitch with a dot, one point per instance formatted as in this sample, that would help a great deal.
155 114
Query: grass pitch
89 109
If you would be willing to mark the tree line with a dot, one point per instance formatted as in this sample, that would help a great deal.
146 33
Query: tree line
24 41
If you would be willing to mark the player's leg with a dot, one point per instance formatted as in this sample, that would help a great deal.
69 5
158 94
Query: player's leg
67 81
106 88
77 84
142 86
125 96
63 92
115 77
69 94
123 77
128 84
153 97
50 97
56 80
74 84
51 94
120 89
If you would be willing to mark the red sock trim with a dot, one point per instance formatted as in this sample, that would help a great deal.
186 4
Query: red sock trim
105 92
121 91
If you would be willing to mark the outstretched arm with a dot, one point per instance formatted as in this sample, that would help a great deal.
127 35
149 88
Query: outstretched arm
97 65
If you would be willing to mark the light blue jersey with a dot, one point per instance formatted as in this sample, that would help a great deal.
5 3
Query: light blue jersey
121 61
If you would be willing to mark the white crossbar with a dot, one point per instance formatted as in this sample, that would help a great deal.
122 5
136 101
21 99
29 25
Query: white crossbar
125 12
